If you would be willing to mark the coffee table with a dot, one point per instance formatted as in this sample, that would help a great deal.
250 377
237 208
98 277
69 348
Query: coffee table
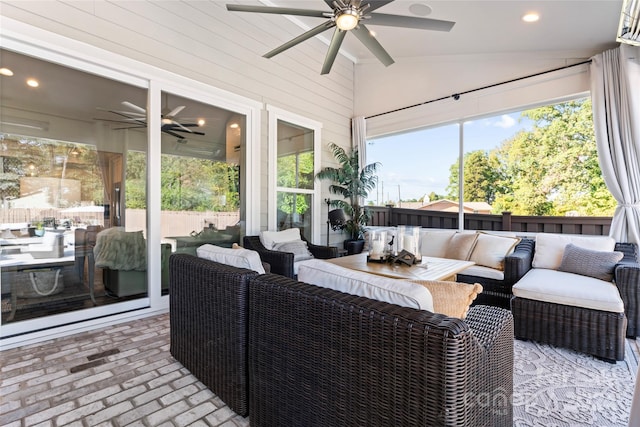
430 269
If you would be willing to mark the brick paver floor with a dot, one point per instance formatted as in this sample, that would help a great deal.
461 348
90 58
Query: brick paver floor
121 375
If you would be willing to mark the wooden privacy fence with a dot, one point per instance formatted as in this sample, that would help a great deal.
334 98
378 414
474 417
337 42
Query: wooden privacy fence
173 223
181 223
390 216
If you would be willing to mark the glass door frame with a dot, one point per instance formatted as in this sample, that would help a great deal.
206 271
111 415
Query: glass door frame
26 39
276 114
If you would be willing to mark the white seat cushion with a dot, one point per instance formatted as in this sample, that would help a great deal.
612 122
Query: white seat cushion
558 287
550 247
482 271
321 273
240 257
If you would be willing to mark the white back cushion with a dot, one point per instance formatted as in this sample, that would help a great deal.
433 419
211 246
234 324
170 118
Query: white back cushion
550 247
435 242
241 258
270 238
321 273
490 250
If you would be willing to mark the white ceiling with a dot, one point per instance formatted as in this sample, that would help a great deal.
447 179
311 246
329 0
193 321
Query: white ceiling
572 28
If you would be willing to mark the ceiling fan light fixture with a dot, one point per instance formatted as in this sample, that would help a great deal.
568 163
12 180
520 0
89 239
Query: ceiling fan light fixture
348 19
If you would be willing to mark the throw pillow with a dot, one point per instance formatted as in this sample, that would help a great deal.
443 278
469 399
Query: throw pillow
451 298
490 250
270 238
587 262
461 245
299 249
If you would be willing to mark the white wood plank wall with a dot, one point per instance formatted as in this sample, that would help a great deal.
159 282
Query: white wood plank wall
201 40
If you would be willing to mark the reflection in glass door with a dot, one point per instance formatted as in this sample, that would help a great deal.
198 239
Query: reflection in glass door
63 171
202 149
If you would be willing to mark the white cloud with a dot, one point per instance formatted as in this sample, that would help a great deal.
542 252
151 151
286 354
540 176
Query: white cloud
505 122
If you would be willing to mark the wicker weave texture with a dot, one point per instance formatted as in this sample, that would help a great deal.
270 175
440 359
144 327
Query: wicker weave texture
498 292
319 357
595 332
208 319
627 279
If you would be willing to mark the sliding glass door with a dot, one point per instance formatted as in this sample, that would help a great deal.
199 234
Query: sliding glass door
67 137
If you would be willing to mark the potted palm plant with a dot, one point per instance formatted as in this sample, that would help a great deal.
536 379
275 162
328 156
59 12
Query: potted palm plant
354 185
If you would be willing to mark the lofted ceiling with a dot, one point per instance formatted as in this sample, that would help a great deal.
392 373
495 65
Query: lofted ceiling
572 28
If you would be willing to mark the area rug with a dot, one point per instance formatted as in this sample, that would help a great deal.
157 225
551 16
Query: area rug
563 388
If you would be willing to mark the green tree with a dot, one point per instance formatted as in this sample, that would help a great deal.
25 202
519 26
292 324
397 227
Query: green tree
550 170
483 177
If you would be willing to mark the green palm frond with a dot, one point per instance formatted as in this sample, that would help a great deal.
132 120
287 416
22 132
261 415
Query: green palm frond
352 184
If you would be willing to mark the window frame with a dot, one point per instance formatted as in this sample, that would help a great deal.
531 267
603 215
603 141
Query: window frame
276 114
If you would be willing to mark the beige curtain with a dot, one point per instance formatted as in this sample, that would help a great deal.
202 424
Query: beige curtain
615 91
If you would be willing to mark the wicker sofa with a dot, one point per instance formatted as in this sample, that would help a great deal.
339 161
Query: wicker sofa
310 356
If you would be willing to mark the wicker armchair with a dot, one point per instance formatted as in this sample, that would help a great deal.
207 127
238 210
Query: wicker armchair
208 319
282 262
596 332
319 357
498 292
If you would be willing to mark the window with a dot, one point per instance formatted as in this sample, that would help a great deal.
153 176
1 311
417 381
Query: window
295 163
540 161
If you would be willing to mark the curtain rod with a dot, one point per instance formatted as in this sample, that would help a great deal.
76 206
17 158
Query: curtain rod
456 96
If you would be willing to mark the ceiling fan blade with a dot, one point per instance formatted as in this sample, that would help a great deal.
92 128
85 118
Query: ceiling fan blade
376 4
276 10
364 35
134 107
191 132
410 22
334 47
185 129
175 111
302 37
130 127
127 117
175 135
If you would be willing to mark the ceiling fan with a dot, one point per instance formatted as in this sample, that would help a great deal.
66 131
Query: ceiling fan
347 15
136 116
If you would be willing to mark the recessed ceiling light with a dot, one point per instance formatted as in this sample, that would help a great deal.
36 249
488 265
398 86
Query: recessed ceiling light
420 9
201 122
531 17
6 72
234 126
33 83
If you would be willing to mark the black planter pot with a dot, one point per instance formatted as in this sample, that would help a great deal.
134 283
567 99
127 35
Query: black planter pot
354 246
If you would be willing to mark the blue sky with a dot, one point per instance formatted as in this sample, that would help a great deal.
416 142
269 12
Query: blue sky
418 162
